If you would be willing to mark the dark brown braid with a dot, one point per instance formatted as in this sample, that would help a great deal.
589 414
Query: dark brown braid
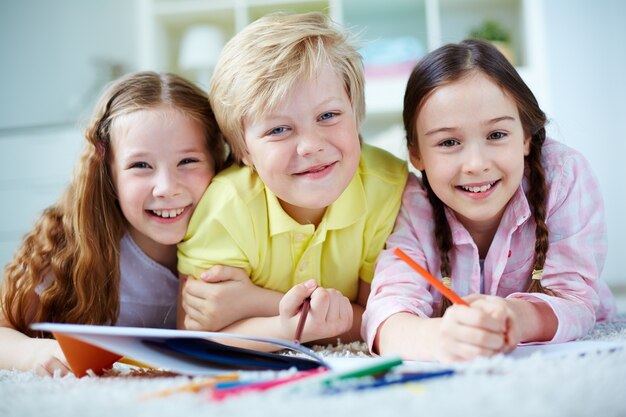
536 195
443 236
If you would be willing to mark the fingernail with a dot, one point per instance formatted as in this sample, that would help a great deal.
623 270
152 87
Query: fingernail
310 284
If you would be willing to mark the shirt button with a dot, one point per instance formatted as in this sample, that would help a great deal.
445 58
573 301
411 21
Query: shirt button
303 266
299 237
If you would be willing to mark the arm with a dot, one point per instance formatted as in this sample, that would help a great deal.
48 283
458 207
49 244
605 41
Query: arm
330 314
575 259
18 351
396 288
463 333
223 295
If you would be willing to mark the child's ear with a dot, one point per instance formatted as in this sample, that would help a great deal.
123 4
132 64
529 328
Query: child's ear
415 159
527 140
246 160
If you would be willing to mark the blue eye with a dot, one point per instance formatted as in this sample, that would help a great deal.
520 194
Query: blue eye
277 131
327 116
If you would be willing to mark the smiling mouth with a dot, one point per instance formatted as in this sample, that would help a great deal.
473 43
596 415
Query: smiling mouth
315 169
478 189
168 214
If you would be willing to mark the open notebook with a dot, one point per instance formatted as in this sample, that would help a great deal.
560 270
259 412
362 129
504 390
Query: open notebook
182 351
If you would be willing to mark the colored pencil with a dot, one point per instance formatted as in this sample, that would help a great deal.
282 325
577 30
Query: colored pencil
447 292
219 394
193 386
387 380
305 311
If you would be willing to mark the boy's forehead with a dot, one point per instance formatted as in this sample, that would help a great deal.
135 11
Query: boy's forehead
325 86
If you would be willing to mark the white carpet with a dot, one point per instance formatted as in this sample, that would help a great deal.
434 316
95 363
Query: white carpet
590 385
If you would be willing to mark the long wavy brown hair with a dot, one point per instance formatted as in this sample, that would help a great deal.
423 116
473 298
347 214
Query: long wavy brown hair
74 246
451 63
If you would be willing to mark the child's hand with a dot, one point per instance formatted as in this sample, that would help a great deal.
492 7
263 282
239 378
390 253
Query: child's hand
330 312
215 300
48 358
468 332
499 308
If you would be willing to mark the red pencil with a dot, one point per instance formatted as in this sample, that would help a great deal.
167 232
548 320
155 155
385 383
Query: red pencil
305 311
447 292
219 394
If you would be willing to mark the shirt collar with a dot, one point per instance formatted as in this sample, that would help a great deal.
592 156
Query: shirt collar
345 211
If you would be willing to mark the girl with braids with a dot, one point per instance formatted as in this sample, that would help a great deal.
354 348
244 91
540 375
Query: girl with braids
106 252
509 219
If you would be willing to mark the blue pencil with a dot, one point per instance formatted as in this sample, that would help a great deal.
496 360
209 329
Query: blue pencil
387 380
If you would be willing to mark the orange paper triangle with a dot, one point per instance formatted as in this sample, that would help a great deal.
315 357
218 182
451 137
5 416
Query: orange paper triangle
82 356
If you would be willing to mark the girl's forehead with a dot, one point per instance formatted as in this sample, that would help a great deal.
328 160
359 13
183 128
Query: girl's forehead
162 129
146 119
476 87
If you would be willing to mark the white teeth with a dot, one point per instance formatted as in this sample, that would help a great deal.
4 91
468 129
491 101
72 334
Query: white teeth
480 189
168 213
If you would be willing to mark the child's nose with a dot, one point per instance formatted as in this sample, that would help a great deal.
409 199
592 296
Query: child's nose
475 159
166 184
310 143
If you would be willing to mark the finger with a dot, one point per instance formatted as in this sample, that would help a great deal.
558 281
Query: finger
494 309
192 313
200 290
346 310
468 351
291 302
335 301
192 301
192 304
475 316
217 273
473 297
320 303
512 336
483 339
459 331
191 324
52 366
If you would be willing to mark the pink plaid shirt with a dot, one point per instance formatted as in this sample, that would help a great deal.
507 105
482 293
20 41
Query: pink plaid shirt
578 246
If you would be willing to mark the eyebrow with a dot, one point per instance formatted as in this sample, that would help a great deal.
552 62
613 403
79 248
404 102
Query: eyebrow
499 119
488 122
332 100
438 130
147 154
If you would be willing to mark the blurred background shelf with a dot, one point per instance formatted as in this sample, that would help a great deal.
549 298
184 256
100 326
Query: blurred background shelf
394 34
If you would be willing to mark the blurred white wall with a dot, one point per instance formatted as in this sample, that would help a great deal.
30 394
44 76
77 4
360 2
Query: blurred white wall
55 58
586 65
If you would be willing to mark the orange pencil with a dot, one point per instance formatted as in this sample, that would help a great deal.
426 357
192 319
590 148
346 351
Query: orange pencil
447 292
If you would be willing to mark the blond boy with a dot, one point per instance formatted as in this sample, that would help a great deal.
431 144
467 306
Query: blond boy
307 210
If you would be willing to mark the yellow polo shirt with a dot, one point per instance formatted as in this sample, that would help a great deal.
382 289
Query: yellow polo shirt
239 222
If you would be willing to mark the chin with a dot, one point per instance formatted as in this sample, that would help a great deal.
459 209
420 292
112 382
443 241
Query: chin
169 241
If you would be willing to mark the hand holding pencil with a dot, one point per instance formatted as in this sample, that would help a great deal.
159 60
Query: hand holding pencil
309 312
481 330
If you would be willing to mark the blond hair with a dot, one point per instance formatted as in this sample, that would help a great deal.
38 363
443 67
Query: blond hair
258 67
76 241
